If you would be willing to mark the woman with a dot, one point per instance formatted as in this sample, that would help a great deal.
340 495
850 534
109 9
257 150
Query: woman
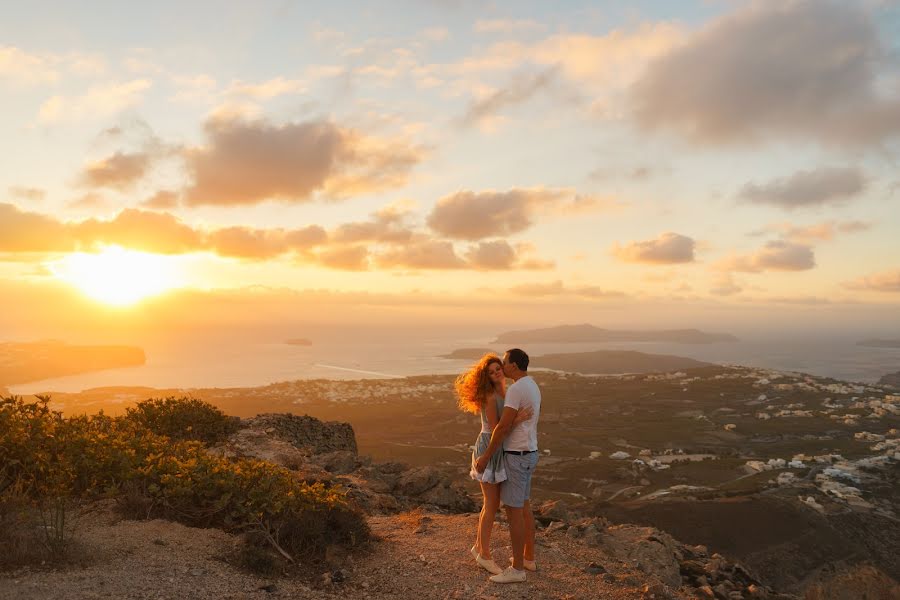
481 390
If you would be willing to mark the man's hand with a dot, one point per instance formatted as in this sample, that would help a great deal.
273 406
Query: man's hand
481 463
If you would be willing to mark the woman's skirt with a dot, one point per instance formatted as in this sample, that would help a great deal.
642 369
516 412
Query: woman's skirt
496 467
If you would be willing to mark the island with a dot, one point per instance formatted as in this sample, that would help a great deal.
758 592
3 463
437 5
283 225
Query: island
891 380
604 362
298 342
589 333
879 343
22 362
470 353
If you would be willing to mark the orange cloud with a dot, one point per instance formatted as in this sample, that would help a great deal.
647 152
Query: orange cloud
247 162
668 248
120 171
777 255
886 281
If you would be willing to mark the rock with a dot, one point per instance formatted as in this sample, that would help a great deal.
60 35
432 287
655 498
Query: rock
308 433
418 481
706 592
657 591
340 462
620 455
595 569
653 549
553 510
572 532
450 496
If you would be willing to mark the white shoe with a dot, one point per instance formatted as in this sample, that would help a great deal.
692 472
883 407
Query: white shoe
509 575
487 564
529 565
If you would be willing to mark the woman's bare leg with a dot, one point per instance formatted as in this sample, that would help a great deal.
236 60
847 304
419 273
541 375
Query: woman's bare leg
491 494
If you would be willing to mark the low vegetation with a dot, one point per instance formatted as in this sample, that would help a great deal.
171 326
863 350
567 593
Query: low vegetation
154 462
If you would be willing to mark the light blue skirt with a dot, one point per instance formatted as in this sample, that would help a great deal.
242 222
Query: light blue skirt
495 472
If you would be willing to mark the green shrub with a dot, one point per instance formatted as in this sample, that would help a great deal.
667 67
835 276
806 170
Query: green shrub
52 461
184 419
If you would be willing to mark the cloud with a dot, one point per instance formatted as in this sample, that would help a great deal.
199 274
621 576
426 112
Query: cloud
422 254
519 90
807 188
278 86
506 26
557 288
807 68
32 194
247 162
98 101
778 255
25 68
141 230
725 286
668 248
475 216
818 232
886 281
22 231
552 288
244 242
348 258
163 199
120 171
386 225
495 255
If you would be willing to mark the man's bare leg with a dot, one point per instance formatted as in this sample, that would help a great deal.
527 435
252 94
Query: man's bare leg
516 519
528 518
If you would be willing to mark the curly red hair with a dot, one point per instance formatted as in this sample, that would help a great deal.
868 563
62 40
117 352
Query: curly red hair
474 386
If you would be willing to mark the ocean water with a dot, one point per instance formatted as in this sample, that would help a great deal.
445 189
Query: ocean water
221 362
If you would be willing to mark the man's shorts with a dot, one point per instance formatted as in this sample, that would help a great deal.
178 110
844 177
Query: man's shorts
517 487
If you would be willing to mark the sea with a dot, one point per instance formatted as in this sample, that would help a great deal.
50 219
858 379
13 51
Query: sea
224 362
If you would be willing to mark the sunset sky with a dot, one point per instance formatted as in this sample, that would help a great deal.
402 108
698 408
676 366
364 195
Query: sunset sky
566 159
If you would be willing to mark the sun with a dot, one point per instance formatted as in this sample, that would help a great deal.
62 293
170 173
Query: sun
118 276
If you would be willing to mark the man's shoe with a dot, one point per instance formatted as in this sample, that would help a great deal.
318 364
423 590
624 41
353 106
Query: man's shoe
509 575
474 552
529 565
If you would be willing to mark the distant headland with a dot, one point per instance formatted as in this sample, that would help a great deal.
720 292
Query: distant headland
22 362
600 362
879 343
588 333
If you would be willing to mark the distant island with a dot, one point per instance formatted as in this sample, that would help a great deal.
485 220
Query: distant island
879 343
298 342
891 380
21 362
469 353
601 362
605 362
588 333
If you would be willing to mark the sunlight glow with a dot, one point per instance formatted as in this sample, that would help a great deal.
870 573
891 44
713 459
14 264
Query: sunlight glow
118 276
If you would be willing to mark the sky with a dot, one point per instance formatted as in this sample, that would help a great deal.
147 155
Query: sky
645 164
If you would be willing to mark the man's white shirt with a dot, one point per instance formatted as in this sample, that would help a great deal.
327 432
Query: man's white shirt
522 393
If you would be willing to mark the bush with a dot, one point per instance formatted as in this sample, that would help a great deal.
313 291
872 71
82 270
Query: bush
51 461
183 419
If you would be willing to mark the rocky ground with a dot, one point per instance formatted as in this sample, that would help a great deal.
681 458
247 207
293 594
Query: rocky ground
415 555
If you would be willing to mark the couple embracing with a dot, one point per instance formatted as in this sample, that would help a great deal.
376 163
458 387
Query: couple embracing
505 455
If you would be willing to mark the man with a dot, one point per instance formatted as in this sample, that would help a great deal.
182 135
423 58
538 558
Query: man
520 447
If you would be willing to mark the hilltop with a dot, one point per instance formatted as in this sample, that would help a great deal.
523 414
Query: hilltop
794 476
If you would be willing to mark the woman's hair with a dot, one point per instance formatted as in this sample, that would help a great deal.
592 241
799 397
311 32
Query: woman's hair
474 386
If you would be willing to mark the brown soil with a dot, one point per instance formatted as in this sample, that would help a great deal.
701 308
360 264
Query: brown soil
415 556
